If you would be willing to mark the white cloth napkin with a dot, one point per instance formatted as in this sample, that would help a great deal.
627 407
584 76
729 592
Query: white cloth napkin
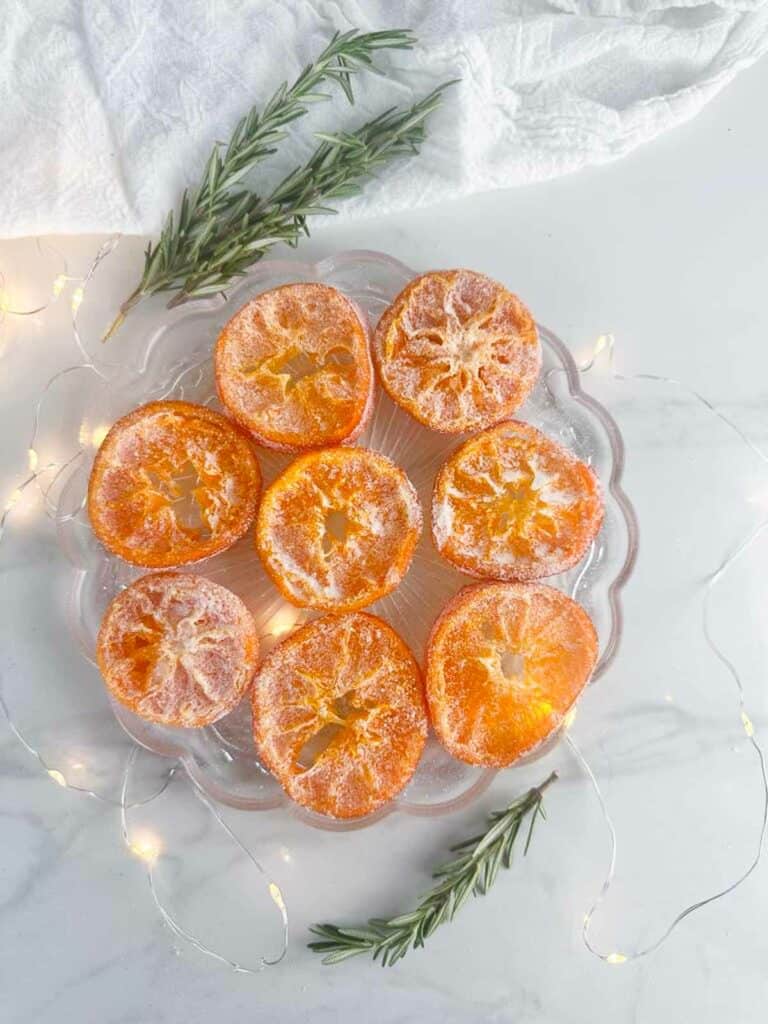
109 107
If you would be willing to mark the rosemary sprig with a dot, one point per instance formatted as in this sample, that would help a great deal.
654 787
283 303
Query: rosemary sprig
334 171
473 872
222 227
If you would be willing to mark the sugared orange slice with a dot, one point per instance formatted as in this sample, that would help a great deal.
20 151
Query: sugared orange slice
173 483
337 530
177 649
514 505
505 663
339 714
293 366
457 351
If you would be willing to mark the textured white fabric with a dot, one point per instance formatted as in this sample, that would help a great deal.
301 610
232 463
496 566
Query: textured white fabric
109 107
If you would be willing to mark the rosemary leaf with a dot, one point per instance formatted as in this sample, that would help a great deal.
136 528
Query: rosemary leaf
469 875
222 227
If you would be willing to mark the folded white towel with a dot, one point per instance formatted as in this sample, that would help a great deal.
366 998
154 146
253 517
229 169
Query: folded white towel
109 107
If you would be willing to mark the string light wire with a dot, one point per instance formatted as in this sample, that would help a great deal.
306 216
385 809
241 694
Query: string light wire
149 850
606 342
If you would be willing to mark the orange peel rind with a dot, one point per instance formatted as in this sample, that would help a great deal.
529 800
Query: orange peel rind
172 483
505 664
339 714
512 504
293 367
177 649
337 530
457 350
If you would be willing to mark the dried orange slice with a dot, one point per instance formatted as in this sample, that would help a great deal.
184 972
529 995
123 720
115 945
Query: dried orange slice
457 351
293 366
337 530
173 483
177 649
505 663
512 504
339 715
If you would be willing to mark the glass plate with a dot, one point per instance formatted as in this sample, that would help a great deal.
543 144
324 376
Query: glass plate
170 357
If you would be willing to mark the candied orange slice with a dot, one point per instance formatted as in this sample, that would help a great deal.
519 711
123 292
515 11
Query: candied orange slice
337 530
512 504
457 351
339 715
173 483
505 663
293 366
177 649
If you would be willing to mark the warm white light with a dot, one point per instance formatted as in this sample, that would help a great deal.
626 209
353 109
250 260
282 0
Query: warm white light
33 459
284 621
13 499
78 765
746 721
98 434
77 298
277 896
58 285
57 777
285 855
92 437
568 720
615 958
602 343
146 847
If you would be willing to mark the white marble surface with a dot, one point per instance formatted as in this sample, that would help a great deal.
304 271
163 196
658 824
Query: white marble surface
666 251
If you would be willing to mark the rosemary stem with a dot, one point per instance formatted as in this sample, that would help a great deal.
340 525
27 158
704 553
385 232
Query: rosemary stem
222 226
471 872
126 306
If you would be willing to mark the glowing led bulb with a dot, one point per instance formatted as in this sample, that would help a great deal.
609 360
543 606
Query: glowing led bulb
77 298
13 499
283 621
568 720
57 777
58 285
602 343
93 437
33 459
98 434
615 958
277 896
146 848
746 721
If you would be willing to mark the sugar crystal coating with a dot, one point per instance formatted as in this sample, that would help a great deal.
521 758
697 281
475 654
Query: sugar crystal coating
172 483
293 366
338 528
457 350
505 663
513 504
339 714
177 649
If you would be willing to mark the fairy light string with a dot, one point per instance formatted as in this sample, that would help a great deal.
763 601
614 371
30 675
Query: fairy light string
149 848
606 343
